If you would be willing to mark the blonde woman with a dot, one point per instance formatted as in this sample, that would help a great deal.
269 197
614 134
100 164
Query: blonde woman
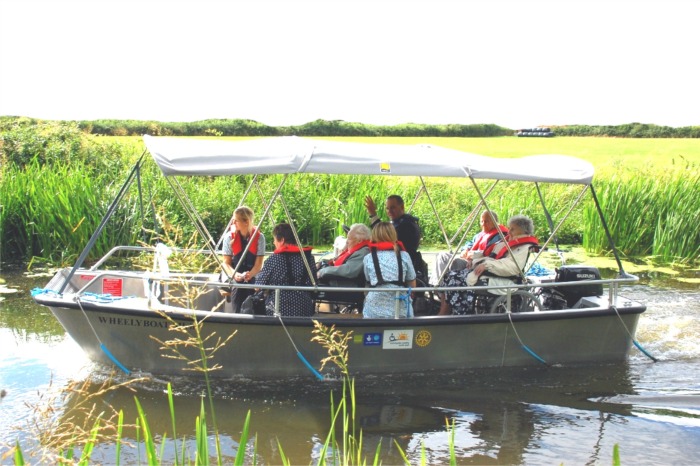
387 266
240 233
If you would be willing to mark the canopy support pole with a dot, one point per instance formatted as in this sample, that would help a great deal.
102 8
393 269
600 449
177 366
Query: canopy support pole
103 222
561 222
607 232
296 238
550 223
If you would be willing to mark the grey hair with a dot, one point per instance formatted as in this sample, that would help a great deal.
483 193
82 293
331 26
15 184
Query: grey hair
360 232
524 223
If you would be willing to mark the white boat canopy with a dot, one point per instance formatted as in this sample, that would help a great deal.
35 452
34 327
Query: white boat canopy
291 154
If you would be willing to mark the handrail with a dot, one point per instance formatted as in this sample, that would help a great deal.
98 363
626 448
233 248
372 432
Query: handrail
177 277
510 289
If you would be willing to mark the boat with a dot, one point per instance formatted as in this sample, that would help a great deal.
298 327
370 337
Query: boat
122 316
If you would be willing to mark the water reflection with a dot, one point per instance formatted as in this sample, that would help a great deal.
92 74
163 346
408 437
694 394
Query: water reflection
496 413
499 414
537 415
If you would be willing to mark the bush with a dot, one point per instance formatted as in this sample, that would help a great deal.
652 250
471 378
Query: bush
23 142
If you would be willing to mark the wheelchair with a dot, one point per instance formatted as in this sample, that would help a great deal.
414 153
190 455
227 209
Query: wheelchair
351 302
340 302
426 303
484 302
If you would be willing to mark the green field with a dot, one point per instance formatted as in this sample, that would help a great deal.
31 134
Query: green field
604 153
601 152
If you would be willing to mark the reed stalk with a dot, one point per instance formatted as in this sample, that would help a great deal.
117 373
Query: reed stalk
79 423
648 216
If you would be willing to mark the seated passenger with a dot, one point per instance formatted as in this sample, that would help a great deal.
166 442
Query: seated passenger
286 267
498 264
347 268
236 239
488 236
387 266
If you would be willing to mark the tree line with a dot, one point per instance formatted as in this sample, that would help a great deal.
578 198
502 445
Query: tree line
242 127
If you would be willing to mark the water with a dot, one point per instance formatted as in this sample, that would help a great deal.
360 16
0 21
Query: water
539 415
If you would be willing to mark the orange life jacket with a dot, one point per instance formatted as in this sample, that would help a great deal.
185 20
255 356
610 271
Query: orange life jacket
513 243
344 256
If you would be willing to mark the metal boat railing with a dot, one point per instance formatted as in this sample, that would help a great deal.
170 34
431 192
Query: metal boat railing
613 284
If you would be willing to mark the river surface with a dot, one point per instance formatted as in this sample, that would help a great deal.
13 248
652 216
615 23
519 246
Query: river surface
538 415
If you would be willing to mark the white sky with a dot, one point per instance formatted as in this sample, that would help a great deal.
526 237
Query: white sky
517 63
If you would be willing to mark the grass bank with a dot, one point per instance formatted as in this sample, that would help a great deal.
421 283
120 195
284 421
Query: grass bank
647 188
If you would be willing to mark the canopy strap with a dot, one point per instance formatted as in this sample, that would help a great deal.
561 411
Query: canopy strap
522 344
299 355
639 347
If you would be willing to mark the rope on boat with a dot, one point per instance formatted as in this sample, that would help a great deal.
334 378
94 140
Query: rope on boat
406 297
38 291
318 375
523 345
101 298
505 345
94 297
102 345
636 343
114 360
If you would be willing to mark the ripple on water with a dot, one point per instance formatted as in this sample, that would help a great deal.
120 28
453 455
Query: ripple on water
670 328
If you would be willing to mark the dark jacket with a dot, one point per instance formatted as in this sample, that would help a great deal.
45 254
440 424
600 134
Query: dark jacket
287 268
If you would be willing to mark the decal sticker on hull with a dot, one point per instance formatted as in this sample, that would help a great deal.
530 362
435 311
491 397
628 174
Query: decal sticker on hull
372 339
112 286
398 339
423 338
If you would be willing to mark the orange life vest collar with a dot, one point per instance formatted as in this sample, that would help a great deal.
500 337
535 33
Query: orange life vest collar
493 237
344 256
237 242
514 243
290 249
386 246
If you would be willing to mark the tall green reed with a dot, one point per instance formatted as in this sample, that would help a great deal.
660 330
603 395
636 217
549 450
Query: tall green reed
52 213
648 215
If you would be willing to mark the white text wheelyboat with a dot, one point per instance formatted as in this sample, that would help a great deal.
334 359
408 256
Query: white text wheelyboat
121 316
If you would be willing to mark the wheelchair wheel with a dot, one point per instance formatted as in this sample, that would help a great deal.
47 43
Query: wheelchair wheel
520 301
481 303
426 303
348 308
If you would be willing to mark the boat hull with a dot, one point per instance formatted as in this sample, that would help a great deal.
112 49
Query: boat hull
273 347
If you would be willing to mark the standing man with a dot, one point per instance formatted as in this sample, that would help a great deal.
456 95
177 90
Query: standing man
406 225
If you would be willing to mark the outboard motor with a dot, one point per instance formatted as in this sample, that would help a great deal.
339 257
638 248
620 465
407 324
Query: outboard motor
578 273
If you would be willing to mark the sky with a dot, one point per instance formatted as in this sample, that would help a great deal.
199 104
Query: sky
518 64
